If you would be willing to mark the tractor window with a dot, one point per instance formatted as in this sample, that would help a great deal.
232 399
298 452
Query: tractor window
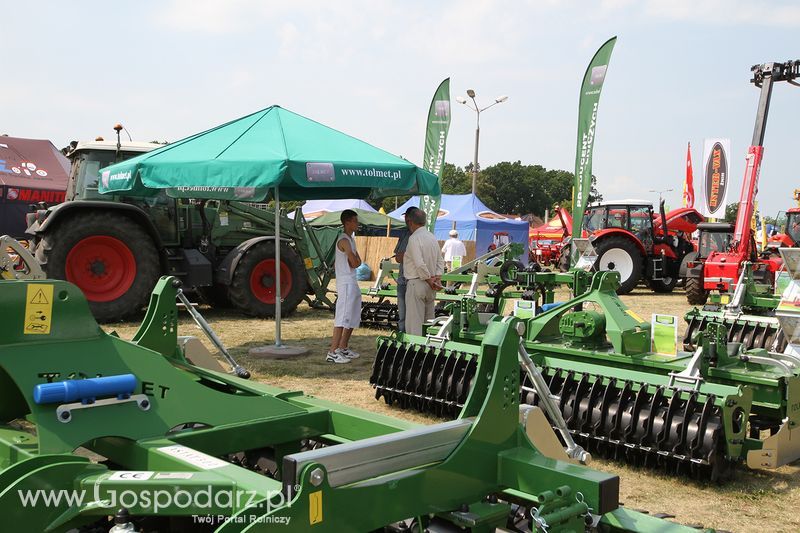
618 217
713 242
641 220
793 226
595 219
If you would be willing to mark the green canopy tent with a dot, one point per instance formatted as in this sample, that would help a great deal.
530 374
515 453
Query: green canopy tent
273 150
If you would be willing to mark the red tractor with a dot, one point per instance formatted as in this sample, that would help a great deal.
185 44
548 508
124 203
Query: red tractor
791 233
629 239
721 269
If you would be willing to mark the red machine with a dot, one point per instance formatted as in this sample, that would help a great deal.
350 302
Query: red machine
631 240
545 241
791 236
722 268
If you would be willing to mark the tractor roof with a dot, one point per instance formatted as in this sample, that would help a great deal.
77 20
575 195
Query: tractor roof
130 146
622 202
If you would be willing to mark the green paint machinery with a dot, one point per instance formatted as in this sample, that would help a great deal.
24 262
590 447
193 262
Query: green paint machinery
94 427
691 413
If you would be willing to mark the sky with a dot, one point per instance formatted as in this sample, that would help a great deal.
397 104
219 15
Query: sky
679 73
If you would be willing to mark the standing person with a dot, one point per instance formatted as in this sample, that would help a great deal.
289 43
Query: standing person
423 267
453 247
348 293
402 282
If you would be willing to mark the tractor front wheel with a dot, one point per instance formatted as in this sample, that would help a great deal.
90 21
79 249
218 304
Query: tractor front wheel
620 255
695 292
253 288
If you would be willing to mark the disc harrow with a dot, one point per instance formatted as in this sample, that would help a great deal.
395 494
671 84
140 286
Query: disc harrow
695 413
379 315
668 428
751 331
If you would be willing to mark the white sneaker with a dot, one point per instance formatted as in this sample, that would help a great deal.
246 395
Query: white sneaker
350 354
337 357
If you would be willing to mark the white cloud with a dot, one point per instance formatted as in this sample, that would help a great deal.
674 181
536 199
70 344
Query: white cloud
726 12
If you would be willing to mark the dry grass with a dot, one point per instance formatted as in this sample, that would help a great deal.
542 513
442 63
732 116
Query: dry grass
751 501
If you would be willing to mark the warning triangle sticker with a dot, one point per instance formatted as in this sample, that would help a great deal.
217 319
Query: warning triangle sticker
39 298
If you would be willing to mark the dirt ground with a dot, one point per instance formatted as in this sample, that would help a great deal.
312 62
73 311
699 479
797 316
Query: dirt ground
751 501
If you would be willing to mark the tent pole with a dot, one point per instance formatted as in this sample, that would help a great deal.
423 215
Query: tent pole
278 291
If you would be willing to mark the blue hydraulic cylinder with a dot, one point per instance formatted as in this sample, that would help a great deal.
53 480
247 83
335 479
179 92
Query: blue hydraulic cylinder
84 390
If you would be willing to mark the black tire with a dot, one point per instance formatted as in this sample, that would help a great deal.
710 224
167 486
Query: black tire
53 253
509 270
617 245
216 296
241 292
563 259
695 293
663 285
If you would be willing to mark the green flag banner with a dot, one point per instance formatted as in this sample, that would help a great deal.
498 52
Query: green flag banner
587 119
435 143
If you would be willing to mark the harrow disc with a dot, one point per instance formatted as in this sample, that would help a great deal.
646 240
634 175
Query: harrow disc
677 431
752 333
379 315
674 430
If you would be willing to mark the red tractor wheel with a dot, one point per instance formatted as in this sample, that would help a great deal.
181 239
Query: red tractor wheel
253 288
108 256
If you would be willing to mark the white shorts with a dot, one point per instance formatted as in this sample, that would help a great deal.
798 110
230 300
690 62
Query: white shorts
348 306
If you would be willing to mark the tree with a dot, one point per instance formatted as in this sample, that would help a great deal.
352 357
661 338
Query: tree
523 189
456 180
731 211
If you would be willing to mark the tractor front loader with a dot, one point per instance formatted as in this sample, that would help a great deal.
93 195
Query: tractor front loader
134 431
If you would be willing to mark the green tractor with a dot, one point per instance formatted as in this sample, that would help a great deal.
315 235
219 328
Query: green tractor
115 247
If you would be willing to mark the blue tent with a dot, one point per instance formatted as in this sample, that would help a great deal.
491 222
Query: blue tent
474 222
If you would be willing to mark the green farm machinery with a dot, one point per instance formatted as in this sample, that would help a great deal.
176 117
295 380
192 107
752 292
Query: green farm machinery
691 413
94 427
493 279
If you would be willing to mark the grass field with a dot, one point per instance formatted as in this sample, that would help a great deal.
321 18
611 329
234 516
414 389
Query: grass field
751 501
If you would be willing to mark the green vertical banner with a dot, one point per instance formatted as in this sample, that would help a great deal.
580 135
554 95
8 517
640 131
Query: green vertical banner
587 120
435 143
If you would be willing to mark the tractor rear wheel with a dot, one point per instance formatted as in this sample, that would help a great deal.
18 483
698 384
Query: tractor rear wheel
108 256
695 293
620 255
252 287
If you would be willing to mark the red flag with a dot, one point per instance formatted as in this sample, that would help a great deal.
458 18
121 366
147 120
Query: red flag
688 186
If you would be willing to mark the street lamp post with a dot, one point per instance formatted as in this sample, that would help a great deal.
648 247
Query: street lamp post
661 192
478 110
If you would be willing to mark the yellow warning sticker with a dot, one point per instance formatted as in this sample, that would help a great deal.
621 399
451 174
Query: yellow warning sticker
308 262
38 309
634 315
315 507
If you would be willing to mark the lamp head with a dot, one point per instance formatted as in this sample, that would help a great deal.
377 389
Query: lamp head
470 93
501 99
461 100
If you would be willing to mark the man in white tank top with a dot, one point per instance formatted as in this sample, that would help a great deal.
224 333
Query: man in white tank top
348 293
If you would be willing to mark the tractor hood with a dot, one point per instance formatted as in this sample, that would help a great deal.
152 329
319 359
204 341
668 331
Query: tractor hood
683 219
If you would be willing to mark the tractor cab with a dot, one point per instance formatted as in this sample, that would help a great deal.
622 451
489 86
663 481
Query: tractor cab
87 158
791 233
633 216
